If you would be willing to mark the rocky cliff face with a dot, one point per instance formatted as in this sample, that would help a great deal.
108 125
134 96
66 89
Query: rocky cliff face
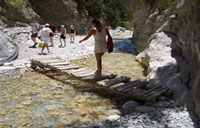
60 12
23 12
168 34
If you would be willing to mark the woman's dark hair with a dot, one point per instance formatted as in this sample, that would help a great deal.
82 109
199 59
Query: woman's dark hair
98 24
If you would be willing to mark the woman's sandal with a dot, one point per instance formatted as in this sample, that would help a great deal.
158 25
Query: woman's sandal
96 74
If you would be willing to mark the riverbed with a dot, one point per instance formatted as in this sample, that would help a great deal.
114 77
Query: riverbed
44 98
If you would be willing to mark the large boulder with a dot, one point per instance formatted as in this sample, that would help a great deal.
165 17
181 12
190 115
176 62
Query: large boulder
4 45
16 13
169 38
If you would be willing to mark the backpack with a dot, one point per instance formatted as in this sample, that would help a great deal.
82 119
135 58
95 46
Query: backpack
109 42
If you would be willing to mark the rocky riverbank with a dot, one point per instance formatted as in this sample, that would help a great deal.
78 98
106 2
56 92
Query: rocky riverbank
167 34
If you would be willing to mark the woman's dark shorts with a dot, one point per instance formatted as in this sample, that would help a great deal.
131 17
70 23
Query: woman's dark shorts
34 35
50 35
63 37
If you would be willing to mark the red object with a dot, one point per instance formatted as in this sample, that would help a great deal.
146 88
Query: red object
109 42
52 27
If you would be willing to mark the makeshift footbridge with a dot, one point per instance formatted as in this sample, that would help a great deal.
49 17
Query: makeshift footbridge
115 84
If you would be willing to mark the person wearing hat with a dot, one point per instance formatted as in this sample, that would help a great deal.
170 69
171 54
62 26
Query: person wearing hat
63 36
72 33
44 33
35 30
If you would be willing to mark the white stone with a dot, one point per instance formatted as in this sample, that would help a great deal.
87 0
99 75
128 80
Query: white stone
112 112
113 117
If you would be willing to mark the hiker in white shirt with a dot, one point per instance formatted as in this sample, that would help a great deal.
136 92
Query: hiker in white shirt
44 33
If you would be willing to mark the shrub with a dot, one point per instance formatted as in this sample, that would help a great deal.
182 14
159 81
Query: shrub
17 3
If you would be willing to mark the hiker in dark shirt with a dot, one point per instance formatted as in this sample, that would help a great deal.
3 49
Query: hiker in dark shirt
63 36
53 29
72 33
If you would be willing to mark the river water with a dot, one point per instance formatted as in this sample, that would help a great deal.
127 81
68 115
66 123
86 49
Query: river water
50 99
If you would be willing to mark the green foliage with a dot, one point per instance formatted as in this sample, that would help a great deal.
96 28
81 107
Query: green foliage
17 3
114 12
94 7
171 3
71 3
127 24
117 12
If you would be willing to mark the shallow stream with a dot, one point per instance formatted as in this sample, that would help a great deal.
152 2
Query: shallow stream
50 99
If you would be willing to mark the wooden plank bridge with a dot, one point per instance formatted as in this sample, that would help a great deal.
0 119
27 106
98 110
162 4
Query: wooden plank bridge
121 85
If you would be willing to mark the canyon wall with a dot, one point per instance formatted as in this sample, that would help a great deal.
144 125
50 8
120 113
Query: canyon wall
166 36
58 12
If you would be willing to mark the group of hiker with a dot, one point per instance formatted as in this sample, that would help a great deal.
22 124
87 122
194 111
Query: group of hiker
99 32
47 32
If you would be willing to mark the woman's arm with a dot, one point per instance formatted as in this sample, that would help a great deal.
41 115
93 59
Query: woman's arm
65 32
92 32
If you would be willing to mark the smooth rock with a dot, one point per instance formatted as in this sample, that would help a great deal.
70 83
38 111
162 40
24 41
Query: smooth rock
162 104
144 109
130 105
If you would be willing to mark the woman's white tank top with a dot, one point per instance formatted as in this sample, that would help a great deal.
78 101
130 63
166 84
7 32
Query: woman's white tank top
100 37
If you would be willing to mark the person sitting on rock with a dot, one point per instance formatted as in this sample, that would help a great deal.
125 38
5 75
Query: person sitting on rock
63 35
44 33
72 33
53 29
35 30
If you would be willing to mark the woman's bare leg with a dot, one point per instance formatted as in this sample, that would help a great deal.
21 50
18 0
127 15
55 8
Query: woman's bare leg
99 62
64 42
60 42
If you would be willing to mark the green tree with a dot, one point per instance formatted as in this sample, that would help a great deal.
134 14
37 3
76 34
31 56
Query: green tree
114 12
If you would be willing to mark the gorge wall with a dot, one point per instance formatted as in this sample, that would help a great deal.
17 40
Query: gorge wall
166 36
23 12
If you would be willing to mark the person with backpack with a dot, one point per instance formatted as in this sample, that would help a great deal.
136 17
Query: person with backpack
100 46
44 34
53 29
35 30
72 33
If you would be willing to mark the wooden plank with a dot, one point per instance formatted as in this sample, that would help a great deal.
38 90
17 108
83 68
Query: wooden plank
84 74
152 92
59 64
135 93
48 60
96 79
156 94
134 87
107 83
116 85
128 85
79 70
45 58
52 61
67 67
